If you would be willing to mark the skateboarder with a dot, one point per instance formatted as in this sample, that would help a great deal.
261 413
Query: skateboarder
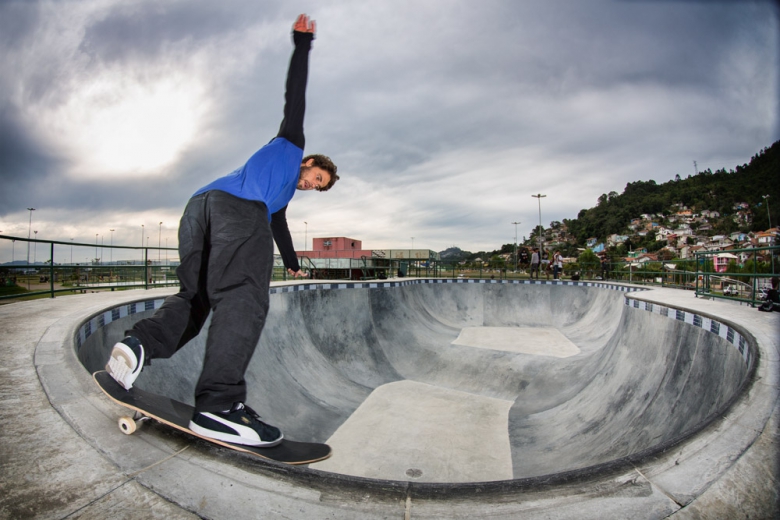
226 239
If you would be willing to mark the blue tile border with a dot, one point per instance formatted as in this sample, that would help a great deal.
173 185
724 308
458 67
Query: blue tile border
92 325
417 281
709 325
726 332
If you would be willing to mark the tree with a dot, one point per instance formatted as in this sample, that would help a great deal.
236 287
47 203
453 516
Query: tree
588 261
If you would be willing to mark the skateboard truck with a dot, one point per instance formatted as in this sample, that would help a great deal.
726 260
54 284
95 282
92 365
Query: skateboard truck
128 425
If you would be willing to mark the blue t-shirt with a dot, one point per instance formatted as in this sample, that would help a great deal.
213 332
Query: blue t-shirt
269 176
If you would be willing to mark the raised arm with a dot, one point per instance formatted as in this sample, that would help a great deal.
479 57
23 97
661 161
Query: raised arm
297 75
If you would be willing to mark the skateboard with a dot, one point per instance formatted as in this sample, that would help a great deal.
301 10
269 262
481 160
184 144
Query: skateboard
147 405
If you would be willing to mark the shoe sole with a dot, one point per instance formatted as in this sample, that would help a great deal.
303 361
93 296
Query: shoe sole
120 367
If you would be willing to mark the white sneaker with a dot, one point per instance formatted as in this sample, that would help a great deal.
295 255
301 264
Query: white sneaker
126 362
241 425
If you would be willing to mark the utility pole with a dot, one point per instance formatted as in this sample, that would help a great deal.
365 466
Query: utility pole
29 229
515 224
159 242
142 244
539 198
768 217
769 221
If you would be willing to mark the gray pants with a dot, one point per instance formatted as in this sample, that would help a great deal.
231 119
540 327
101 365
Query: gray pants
535 268
226 252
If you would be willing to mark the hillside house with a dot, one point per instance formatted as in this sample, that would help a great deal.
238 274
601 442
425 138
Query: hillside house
689 251
721 261
767 238
616 239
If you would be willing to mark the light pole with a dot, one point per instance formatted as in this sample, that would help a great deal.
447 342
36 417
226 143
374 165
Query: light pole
142 244
539 198
96 246
29 228
35 249
305 235
111 257
159 239
71 251
769 220
768 217
515 224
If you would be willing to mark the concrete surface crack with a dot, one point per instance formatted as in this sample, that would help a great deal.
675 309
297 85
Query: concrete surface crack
169 457
660 488
98 499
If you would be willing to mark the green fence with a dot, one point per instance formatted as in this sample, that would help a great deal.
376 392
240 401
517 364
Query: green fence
744 278
47 268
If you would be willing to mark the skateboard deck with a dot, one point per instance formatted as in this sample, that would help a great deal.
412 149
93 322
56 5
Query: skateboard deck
147 405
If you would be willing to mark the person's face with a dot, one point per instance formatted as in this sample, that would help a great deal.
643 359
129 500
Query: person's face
312 177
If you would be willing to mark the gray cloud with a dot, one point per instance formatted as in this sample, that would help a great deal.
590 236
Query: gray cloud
444 117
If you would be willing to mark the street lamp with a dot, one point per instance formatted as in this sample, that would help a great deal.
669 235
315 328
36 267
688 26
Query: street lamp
28 235
515 224
305 235
35 250
768 217
159 235
539 198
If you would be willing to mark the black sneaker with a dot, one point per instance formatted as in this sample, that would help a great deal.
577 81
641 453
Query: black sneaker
126 361
241 425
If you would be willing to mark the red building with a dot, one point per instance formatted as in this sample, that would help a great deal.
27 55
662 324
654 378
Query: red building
336 247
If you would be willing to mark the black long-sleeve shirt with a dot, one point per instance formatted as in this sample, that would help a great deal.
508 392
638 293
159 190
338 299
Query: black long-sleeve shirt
292 130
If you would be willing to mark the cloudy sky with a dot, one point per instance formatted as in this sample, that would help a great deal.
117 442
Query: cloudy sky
444 116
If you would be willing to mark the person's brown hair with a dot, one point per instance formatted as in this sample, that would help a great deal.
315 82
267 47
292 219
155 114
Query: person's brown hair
324 162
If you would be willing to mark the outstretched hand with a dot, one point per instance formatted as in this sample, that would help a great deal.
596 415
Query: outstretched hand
304 25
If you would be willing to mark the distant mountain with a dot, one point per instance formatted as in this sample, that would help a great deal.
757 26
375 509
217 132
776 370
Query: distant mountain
454 254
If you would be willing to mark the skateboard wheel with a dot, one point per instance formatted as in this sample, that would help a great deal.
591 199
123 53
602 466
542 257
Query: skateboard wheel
127 425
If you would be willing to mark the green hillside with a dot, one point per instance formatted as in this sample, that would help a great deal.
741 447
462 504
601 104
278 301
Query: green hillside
715 191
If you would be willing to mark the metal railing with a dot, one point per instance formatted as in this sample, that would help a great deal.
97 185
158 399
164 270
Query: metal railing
744 278
135 268
39 274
